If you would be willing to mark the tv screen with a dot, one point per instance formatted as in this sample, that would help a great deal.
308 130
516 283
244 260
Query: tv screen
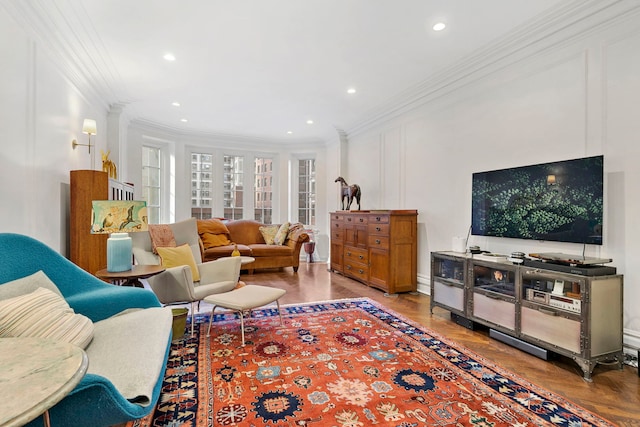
559 201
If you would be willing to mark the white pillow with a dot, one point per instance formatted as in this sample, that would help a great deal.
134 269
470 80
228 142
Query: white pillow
28 284
281 235
43 314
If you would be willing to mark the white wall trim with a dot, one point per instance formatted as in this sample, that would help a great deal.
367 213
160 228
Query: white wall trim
566 23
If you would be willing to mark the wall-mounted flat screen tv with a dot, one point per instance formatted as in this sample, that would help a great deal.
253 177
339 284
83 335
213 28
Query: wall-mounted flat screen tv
558 201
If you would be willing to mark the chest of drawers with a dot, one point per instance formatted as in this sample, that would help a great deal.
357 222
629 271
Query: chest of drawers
378 248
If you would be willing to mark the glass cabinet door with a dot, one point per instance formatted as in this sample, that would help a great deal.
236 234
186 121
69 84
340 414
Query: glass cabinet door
553 290
494 281
449 269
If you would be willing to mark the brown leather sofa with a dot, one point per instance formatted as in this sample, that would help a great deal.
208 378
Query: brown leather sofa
250 242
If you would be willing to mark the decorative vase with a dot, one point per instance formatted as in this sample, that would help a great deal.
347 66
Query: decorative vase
119 252
235 252
309 247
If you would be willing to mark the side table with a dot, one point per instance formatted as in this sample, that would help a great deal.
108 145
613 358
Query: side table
35 374
130 277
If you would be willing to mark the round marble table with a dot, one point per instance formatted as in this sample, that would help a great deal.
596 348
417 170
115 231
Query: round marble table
35 374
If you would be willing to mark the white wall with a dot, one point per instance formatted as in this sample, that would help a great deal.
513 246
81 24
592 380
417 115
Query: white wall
41 111
569 101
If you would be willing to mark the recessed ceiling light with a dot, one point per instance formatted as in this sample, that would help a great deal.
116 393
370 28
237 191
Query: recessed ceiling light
351 90
289 132
169 57
309 122
184 120
439 26
175 104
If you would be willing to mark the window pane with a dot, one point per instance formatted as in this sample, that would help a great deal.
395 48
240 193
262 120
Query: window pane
201 182
306 191
262 189
151 189
234 186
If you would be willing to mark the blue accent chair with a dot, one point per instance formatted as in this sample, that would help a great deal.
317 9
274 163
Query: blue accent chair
94 401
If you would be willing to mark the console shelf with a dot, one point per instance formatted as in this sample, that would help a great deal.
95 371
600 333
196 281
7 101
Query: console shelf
575 315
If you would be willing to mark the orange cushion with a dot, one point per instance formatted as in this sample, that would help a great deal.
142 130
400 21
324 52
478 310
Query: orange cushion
213 226
213 233
210 240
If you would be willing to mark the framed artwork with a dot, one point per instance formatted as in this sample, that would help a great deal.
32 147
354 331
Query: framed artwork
118 216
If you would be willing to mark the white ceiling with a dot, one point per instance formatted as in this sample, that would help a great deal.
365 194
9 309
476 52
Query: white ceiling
261 68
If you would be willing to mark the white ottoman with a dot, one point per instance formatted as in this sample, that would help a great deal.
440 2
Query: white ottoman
245 298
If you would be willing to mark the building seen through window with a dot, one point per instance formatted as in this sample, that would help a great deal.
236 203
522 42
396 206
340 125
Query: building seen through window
263 191
233 176
201 185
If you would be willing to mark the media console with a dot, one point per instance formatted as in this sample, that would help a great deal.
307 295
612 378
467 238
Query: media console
533 307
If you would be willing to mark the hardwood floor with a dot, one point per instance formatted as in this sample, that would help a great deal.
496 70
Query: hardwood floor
614 394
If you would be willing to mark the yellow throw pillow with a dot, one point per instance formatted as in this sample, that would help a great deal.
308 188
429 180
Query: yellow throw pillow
269 233
281 235
178 256
44 314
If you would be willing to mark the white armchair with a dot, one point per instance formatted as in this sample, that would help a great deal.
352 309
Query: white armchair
175 285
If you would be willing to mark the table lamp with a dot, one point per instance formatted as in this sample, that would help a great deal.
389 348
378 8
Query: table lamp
118 218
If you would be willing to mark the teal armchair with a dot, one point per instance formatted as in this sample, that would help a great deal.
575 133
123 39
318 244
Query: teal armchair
95 401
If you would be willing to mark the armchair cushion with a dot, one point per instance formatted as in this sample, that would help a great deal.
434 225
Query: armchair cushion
27 284
44 314
180 255
161 236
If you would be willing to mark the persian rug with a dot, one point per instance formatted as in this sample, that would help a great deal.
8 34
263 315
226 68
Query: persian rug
345 363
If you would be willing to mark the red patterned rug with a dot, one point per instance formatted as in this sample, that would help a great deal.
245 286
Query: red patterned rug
347 363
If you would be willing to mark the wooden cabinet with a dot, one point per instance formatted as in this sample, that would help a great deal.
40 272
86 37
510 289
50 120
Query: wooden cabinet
534 309
337 241
378 248
89 251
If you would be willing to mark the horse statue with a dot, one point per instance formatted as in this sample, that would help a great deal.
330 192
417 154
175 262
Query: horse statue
349 192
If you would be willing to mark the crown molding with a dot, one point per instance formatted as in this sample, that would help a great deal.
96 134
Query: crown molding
240 141
72 45
567 22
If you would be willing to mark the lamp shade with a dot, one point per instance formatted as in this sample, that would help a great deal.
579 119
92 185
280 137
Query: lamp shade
118 216
89 127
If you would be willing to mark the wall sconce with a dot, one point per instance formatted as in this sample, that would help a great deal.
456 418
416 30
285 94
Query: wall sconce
89 128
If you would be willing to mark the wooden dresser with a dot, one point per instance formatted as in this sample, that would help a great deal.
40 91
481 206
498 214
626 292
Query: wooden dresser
89 251
378 248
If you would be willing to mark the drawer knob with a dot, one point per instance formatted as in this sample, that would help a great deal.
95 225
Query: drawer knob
348 267
348 253
361 257
377 241
378 229
361 271
378 219
361 220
